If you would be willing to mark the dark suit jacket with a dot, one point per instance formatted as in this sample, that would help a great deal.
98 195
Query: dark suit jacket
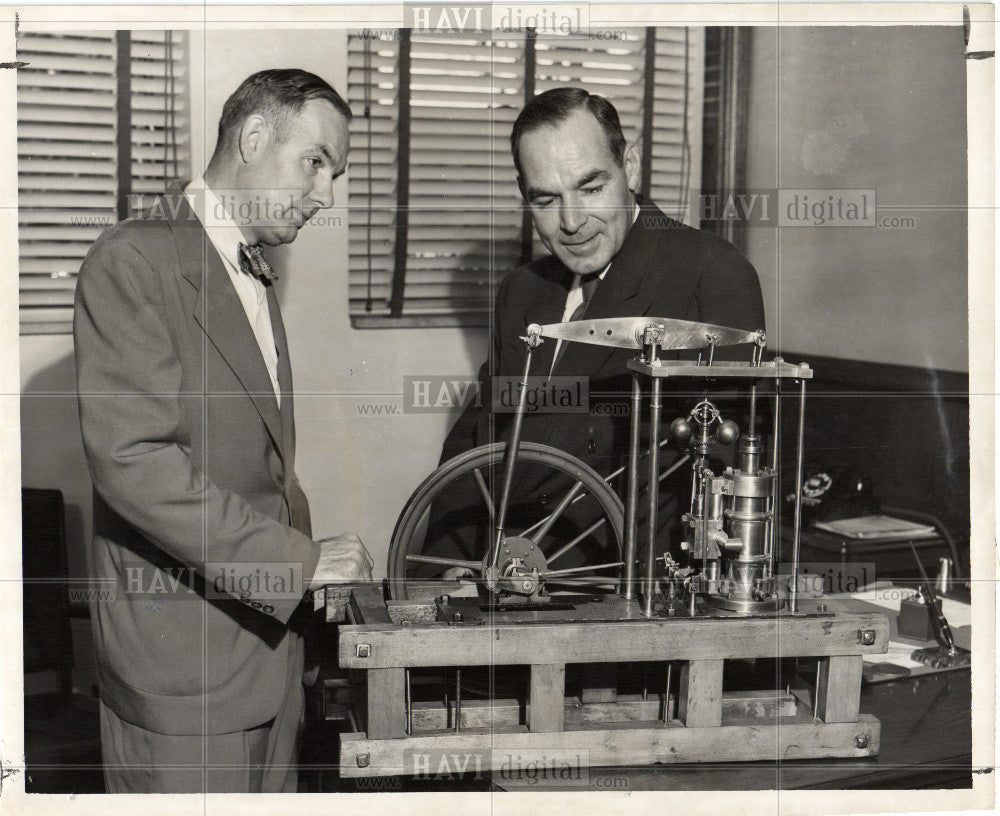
193 469
664 269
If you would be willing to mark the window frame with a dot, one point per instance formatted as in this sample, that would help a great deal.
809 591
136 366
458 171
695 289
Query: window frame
361 315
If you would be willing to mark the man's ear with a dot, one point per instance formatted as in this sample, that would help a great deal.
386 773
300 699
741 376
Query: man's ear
633 171
253 135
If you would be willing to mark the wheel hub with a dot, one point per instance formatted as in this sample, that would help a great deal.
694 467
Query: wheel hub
519 568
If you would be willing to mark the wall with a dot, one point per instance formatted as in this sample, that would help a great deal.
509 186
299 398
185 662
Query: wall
879 108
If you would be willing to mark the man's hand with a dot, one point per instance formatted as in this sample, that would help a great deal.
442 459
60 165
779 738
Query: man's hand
342 559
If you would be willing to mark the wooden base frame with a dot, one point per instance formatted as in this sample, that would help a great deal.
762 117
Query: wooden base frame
699 722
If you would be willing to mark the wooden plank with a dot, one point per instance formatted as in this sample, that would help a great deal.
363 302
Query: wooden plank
699 701
386 703
547 697
610 642
506 714
838 689
361 756
368 604
426 592
401 611
601 684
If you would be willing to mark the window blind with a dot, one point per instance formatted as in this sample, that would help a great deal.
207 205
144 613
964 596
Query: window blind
464 212
68 152
676 134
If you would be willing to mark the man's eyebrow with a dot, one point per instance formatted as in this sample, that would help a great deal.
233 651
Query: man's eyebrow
322 149
535 192
592 176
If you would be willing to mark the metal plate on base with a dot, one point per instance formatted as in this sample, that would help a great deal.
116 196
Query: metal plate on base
744 607
777 370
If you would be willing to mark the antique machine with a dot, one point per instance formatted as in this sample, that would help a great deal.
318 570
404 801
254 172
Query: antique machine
620 658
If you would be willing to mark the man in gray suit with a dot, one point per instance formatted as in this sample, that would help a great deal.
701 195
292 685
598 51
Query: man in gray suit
187 419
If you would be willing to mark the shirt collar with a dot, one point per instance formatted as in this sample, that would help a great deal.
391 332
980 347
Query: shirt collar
221 229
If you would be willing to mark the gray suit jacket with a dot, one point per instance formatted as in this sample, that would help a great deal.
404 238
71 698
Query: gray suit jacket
201 530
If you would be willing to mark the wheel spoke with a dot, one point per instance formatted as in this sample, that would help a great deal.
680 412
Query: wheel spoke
589 531
579 584
586 579
547 523
446 562
588 568
485 491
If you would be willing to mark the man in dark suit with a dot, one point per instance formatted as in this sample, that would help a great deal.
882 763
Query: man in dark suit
612 256
200 525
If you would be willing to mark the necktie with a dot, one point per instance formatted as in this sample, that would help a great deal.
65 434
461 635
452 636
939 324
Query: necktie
253 262
588 285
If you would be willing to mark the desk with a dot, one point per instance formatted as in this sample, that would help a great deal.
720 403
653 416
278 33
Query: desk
892 556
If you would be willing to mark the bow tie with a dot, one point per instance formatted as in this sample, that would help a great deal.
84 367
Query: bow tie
253 262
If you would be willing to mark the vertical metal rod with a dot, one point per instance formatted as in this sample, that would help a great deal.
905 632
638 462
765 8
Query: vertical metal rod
409 705
775 447
769 536
666 695
816 690
776 427
796 541
458 700
703 523
653 489
753 410
632 502
511 460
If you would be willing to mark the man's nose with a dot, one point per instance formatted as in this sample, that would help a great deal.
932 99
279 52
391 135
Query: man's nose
571 215
322 192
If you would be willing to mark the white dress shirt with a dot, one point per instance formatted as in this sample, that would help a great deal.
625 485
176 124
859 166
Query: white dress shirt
226 237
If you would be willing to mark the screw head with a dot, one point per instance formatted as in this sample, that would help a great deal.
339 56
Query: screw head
363 650
867 637
861 741
363 760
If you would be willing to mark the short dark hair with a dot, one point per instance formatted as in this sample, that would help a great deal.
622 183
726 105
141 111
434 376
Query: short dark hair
554 107
276 94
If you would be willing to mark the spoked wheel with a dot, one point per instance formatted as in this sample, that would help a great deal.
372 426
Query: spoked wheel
564 523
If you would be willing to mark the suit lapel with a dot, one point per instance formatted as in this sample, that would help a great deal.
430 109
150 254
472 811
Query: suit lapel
547 306
220 314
